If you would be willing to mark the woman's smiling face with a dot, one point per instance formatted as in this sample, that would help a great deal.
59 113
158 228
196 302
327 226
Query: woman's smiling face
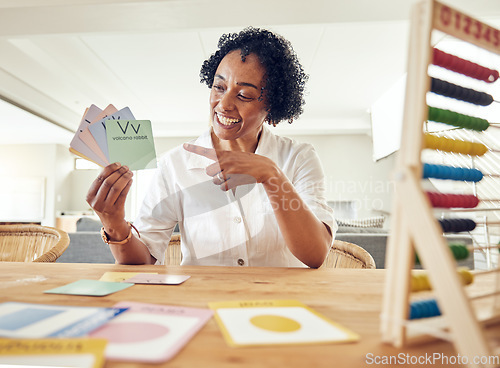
237 103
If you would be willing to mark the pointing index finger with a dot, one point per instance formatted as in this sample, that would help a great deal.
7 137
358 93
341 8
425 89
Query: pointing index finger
202 151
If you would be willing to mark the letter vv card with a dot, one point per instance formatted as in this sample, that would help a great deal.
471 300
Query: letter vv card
130 142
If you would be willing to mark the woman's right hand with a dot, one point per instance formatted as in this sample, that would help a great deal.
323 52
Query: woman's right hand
107 196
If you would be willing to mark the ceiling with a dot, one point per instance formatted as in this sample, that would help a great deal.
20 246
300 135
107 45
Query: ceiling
60 56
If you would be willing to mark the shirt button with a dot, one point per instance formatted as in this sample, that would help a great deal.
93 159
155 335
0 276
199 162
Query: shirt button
237 219
241 262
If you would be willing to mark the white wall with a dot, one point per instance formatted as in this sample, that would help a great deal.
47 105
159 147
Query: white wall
350 172
64 166
49 161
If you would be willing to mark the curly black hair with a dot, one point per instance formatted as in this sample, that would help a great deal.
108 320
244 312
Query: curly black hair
285 77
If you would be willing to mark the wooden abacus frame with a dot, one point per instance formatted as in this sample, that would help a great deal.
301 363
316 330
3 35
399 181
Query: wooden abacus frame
414 226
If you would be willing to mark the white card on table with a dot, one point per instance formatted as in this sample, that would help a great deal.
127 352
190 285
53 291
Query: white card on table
144 278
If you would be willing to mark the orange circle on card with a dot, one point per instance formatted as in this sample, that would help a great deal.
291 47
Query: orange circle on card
275 323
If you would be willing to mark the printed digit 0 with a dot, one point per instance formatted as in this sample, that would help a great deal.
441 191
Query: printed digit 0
445 15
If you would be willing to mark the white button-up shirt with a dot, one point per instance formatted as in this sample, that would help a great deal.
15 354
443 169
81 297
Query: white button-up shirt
226 228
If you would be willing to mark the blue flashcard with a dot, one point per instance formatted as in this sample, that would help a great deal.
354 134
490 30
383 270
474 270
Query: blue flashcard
25 317
28 320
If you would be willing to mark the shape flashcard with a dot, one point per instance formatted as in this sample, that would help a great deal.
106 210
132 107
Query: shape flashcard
276 322
151 333
28 320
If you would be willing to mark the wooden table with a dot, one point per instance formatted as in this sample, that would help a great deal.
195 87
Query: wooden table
350 297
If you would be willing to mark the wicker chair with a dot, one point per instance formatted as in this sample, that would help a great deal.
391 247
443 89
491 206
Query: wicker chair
342 255
173 256
348 255
31 243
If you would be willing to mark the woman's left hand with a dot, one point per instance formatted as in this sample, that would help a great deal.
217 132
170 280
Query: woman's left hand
234 168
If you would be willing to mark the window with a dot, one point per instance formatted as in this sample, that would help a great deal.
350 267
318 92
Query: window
82 164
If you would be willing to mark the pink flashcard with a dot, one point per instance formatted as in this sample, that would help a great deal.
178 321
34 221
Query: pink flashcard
89 140
80 146
151 333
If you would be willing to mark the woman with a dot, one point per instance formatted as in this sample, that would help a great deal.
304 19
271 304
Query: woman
240 194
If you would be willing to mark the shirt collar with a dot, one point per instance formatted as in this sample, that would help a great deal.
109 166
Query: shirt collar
266 147
195 161
267 144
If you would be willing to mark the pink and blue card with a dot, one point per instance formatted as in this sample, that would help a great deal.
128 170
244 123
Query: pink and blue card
150 333
27 320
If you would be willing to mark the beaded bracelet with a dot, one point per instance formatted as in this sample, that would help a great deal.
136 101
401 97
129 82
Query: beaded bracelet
105 236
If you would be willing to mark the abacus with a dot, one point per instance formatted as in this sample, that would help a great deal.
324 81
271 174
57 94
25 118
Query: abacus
416 234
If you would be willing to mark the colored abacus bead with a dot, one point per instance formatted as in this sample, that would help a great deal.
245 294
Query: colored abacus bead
478 149
420 281
459 251
456 119
451 173
451 90
424 309
457 225
466 276
453 145
442 200
465 67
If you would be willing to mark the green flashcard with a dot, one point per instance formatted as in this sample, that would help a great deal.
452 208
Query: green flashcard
130 142
89 288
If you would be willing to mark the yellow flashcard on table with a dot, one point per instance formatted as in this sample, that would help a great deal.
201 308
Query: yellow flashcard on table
74 352
276 322
121 276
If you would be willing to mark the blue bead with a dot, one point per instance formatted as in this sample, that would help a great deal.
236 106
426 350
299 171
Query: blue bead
425 171
435 308
424 309
479 175
413 311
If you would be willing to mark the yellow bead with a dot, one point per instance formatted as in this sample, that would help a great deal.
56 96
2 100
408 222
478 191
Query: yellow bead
429 141
466 276
480 149
466 148
447 144
414 283
420 282
426 284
